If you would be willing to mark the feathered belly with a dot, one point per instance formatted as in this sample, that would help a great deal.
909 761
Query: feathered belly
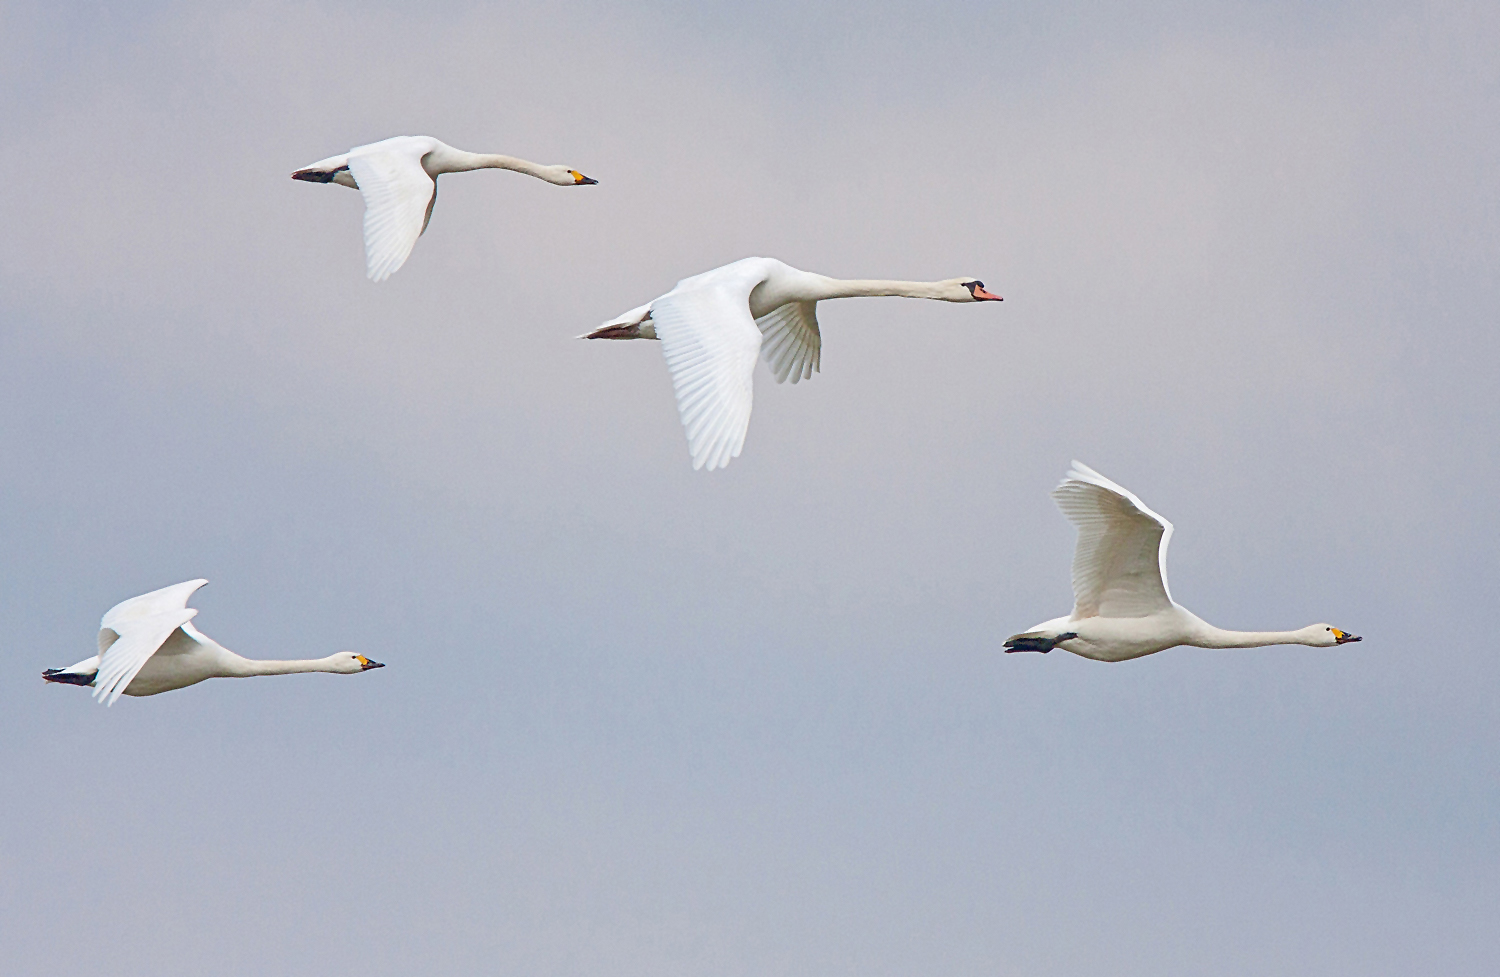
163 673
1118 639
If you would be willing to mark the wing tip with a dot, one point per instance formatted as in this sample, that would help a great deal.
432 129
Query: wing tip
1079 472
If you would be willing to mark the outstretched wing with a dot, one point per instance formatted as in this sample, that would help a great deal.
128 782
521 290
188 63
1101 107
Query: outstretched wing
137 642
132 631
123 614
398 198
1120 563
710 343
792 344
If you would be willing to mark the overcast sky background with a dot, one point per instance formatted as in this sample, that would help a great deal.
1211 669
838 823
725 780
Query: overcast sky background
640 720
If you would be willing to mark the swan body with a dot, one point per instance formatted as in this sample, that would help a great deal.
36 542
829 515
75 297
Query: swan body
398 178
147 645
713 327
1123 607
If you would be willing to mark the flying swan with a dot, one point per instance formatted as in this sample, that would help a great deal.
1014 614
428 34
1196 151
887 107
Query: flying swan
713 326
398 177
1122 607
146 646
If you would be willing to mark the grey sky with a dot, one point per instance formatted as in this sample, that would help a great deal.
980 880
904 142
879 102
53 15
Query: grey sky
641 720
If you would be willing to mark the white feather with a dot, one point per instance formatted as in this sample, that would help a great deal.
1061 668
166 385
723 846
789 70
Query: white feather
1120 562
397 192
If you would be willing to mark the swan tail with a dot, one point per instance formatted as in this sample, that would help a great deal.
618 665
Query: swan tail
1036 641
628 330
66 677
333 174
635 324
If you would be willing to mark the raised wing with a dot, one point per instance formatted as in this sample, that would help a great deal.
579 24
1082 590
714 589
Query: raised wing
1120 563
123 614
710 343
398 196
138 641
792 344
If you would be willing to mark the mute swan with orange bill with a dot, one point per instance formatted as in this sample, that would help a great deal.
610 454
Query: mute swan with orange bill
398 177
1122 607
147 646
713 326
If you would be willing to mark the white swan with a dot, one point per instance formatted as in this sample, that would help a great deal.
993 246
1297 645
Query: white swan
146 646
1122 607
398 177
712 326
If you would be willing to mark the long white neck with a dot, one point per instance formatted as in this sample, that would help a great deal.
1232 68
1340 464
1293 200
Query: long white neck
837 288
246 667
457 161
1208 636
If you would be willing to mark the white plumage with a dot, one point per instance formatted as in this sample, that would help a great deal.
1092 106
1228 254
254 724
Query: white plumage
147 645
134 630
398 179
1120 562
1122 606
714 325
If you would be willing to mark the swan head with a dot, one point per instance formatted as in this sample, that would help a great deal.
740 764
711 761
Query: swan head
1326 636
564 177
348 663
967 290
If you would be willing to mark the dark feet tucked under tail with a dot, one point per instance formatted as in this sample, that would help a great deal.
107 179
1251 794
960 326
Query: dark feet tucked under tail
1036 642
68 678
317 176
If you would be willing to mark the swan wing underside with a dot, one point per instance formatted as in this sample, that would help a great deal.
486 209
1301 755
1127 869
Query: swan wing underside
711 344
126 656
791 343
398 198
1120 563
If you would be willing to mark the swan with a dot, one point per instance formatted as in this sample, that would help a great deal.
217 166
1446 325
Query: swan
147 646
1122 606
712 327
398 178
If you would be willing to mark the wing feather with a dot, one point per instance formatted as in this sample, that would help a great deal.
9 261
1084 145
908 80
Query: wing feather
139 640
173 598
1120 563
792 345
710 344
398 197
132 631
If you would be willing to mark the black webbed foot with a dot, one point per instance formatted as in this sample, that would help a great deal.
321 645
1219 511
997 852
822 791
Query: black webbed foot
68 678
318 176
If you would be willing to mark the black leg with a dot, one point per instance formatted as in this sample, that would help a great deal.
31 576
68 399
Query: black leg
68 678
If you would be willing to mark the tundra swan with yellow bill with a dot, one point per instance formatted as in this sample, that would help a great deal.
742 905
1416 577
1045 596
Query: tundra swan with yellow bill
147 645
398 177
1122 607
